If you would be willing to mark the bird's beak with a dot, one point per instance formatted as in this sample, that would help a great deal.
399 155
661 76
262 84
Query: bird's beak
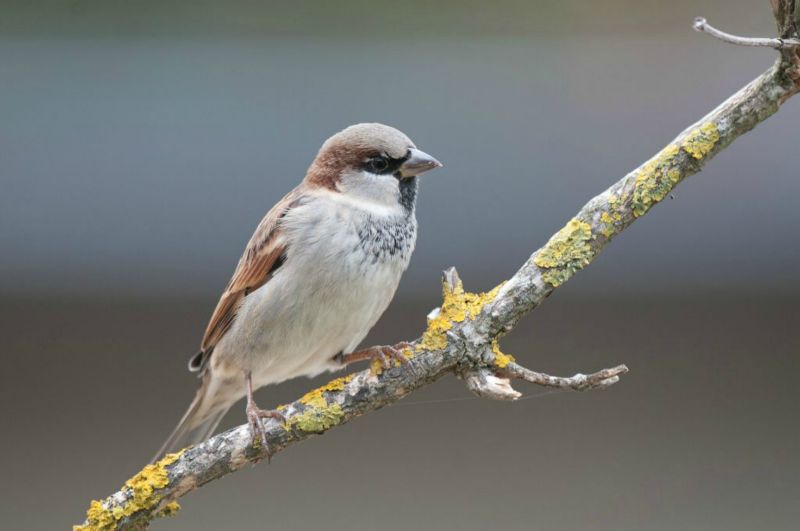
418 162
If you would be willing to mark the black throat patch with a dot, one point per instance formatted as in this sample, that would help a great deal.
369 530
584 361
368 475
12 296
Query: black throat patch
408 194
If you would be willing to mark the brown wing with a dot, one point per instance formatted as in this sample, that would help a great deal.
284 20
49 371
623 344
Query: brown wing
264 254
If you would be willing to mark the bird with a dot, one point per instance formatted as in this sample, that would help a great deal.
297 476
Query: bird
318 272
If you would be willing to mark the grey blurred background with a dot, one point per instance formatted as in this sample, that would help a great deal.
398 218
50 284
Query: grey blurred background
141 142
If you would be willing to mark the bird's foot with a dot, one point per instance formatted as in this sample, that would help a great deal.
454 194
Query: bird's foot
385 354
255 416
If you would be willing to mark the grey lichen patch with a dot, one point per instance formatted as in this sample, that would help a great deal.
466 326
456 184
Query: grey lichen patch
567 252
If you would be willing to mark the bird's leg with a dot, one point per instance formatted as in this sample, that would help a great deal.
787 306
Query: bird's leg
255 414
384 353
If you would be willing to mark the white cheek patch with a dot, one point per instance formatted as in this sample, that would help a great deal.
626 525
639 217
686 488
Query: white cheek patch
366 187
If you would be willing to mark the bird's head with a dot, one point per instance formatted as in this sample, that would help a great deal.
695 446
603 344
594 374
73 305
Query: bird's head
373 162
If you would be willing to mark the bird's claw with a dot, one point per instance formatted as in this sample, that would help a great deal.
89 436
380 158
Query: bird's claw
255 416
384 354
388 353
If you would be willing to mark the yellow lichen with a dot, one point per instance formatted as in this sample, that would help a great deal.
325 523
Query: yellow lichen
98 517
318 418
319 415
656 179
169 510
613 217
376 366
567 252
142 494
620 204
457 305
316 397
615 207
501 359
608 227
407 353
660 175
701 141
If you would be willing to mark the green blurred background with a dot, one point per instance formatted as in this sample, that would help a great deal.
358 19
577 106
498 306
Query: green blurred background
140 143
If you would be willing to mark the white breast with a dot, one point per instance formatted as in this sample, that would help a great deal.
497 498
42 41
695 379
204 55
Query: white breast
343 265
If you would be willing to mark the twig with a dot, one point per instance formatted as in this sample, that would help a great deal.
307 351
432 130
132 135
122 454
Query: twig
580 382
462 336
701 24
496 384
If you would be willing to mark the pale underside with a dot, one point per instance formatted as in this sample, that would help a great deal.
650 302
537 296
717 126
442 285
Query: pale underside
338 278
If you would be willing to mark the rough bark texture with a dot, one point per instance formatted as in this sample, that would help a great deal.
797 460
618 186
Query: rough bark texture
462 335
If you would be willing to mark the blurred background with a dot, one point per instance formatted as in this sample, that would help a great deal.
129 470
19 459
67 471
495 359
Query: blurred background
141 142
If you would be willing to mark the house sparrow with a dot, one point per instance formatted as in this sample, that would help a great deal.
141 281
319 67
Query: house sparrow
320 269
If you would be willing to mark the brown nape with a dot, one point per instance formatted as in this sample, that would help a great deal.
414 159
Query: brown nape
327 168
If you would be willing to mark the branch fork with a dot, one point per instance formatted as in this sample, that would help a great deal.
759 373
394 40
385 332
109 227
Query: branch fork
489 371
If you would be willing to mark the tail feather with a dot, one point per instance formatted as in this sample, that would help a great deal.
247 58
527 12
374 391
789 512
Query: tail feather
198 423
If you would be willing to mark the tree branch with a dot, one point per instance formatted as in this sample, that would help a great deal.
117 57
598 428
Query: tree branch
462 335
702 25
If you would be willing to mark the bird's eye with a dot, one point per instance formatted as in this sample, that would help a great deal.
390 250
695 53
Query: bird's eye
378 164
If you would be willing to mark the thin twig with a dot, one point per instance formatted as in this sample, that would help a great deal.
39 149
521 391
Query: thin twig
580 382
701 24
